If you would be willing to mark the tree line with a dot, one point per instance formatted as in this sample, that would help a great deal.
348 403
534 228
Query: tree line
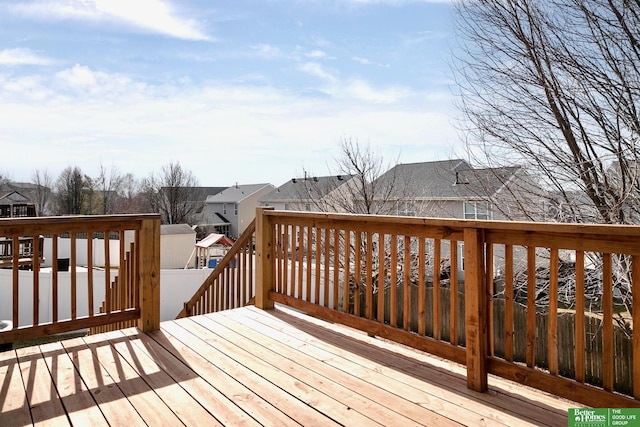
170 192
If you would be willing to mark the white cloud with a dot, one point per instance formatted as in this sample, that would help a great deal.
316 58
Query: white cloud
316 54
80 116
20 56
316 70
152 15
360 89
365 61
265 50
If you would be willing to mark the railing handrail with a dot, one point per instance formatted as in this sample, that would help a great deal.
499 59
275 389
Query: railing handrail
623 230
238 245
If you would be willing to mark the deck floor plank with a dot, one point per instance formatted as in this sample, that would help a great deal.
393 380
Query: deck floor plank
503 395
396 406
254 367
355 348
76 398
214 402
371 402
14 407
44 401
263 400
338 411
414 391
143 397
94 369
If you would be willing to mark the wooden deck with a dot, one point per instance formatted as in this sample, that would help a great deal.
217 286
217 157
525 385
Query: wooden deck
253 367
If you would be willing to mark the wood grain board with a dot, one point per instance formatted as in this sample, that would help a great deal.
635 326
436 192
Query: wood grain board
253 367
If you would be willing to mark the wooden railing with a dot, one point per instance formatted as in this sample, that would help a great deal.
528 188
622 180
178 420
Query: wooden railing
231 284
433 284
70 305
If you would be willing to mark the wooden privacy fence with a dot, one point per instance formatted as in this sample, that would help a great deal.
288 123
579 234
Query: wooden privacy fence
335 265
231 284
139 271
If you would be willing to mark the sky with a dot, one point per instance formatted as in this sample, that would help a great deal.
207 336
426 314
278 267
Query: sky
235 91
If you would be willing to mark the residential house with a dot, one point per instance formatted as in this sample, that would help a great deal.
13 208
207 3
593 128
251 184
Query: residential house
14 204
230 211
324 194
454 189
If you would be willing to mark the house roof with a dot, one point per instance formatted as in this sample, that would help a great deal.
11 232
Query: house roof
307 188
167 229
447 179
9 197
236 193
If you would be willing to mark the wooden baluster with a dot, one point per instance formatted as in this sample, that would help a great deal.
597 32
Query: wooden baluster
393 286
369 272
309 263
327 244
635 289
347 272
422 321
579 317
453 294
508 302
531 307
336 266
407 283
552 333
436 288
381 277
607 319
54 278
357 275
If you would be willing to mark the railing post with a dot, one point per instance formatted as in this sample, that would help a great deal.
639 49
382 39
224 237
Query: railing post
149 275
476 309
264 259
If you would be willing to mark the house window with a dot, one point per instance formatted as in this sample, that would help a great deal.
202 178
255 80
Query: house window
224 209
476 210
405 208
235 209
286 206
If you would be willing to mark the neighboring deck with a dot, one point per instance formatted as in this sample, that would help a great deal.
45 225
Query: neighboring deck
253 367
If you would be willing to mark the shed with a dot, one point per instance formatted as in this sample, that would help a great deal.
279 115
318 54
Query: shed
176 245
214 246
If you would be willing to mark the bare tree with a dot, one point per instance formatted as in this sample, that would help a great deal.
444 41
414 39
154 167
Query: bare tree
43 182
71 192
109 184
554 86
171 194
130 200
357 188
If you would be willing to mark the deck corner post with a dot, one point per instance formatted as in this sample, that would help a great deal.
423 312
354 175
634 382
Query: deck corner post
264 259
476 309
149 275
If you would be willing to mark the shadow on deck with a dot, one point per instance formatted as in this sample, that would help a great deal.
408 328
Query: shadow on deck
253 367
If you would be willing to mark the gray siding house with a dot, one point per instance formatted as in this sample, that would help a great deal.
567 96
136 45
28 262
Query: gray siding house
454 189
323 194
232 210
